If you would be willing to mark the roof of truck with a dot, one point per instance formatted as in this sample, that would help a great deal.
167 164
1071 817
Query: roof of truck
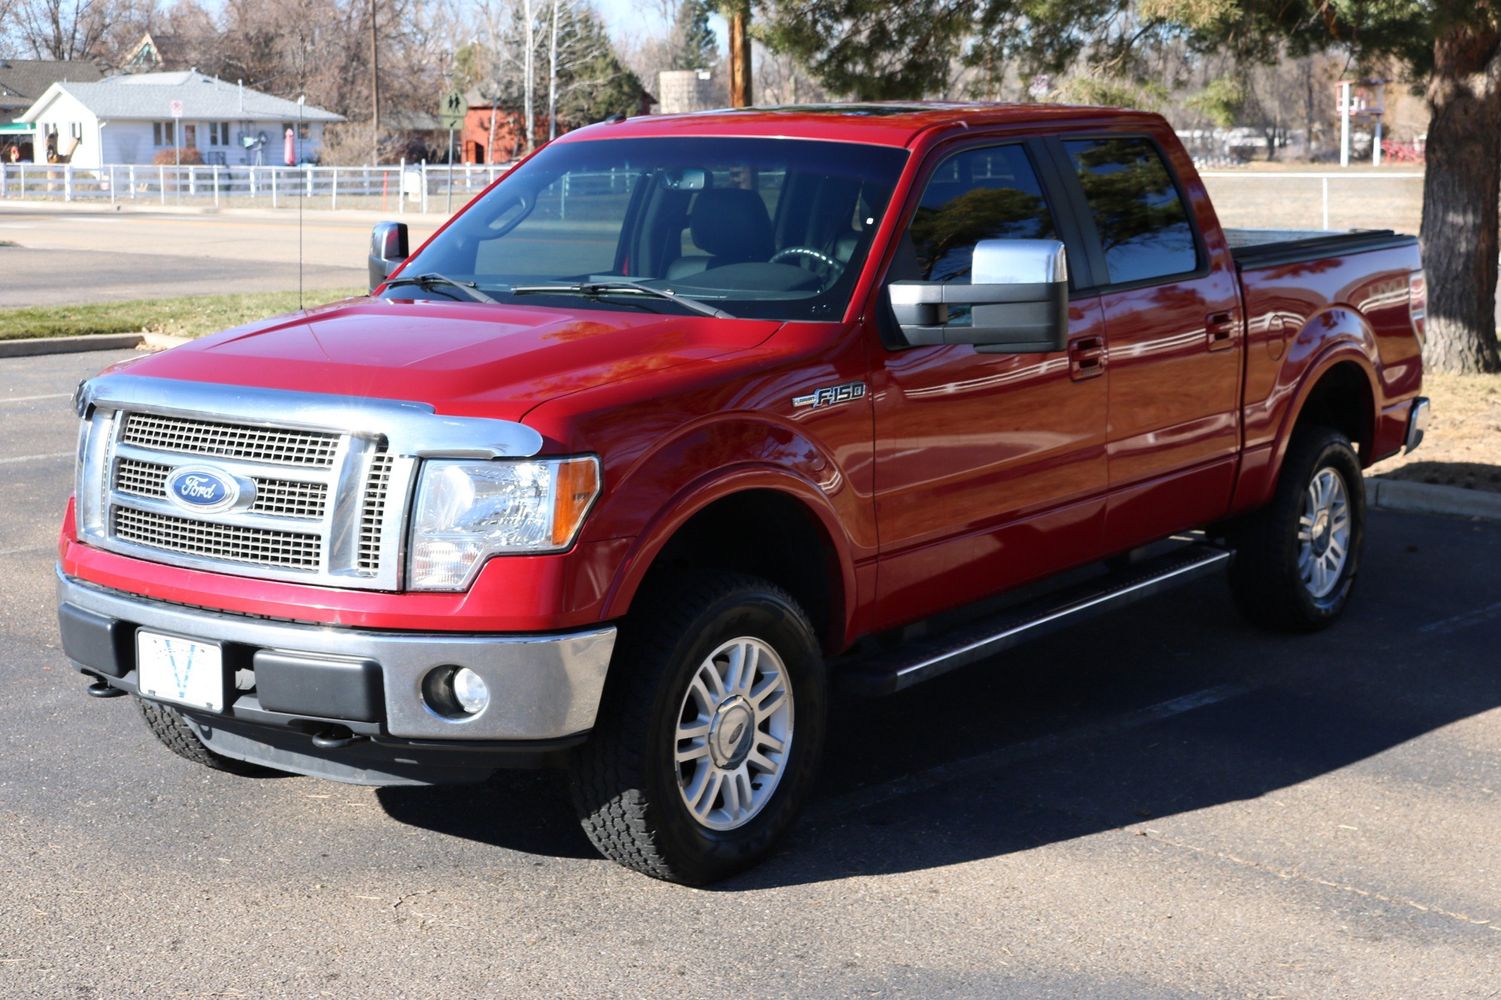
895 123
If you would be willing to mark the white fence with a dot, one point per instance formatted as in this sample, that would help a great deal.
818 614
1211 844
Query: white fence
426 187
1291 199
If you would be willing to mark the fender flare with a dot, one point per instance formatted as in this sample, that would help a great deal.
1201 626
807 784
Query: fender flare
711 487
1335 354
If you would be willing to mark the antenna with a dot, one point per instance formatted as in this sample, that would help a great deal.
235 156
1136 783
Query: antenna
302 196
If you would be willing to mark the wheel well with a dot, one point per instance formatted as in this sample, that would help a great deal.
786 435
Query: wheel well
1342 399
770 535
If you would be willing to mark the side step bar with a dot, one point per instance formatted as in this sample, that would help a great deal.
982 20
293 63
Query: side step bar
924 659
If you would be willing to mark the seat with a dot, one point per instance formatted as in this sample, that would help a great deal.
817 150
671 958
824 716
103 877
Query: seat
732 224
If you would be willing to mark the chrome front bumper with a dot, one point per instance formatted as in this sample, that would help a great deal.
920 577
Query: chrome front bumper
1417 422
543 687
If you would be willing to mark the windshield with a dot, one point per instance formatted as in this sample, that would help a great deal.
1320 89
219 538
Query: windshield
762 227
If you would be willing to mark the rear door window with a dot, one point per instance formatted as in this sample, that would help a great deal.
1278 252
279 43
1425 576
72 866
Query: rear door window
1140 217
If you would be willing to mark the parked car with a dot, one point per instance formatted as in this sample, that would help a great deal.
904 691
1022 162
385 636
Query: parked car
688 418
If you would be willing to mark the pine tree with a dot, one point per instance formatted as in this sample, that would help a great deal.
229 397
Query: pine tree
693 43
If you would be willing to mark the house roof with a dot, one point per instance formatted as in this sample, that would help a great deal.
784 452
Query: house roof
147 54
22 81
149 97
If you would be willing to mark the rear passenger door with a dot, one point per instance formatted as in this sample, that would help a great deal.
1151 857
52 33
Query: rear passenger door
990 467
1173 338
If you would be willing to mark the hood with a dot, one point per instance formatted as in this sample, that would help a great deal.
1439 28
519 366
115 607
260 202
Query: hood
471 360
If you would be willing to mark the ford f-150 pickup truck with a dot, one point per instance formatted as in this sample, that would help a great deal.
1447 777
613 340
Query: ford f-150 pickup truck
687 419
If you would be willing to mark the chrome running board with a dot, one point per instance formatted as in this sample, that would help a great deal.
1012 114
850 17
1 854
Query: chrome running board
924 659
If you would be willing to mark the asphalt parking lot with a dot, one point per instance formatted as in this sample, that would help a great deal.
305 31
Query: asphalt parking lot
158 254
1160 803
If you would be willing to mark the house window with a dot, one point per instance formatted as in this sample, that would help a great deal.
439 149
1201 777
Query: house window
218 133
164 133
190 135
75 129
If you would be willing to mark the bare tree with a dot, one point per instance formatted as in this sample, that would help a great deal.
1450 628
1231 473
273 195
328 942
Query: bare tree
61 29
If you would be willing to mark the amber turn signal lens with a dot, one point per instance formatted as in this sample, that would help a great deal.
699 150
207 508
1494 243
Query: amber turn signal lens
574 492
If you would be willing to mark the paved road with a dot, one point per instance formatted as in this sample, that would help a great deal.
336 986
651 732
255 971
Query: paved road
1163 803
64 255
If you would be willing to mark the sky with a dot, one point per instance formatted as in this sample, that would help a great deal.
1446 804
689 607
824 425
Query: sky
626 18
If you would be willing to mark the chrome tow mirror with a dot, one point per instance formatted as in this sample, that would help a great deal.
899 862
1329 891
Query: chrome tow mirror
1016 301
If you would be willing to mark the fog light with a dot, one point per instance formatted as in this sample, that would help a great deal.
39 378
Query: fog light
470 691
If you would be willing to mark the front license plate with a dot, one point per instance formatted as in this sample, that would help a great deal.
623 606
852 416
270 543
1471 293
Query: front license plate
171 668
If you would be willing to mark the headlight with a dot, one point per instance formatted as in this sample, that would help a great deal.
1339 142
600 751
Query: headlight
468 511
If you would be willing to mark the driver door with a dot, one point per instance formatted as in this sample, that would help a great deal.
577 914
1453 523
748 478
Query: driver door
990 468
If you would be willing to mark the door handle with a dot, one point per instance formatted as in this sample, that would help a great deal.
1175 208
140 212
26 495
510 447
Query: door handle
1219 330
1086 358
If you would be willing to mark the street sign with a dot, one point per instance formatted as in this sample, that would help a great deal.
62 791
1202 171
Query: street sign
176 107
451 110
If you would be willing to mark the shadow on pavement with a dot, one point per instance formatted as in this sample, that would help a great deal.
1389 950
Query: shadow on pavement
1415 653
520 810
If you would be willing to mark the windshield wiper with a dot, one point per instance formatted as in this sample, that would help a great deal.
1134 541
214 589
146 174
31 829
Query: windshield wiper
426 281
594 289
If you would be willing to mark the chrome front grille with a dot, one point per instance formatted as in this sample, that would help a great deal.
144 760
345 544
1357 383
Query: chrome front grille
323 508
316 487
142 479
373 511
235 543
256 444
286 497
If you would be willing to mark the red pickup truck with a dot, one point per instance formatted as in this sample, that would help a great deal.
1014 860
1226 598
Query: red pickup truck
688 418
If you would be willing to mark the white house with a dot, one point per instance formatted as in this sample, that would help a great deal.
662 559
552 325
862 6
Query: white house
131 118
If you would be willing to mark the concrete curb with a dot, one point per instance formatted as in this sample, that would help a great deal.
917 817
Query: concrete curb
30 346
162 341
1429 498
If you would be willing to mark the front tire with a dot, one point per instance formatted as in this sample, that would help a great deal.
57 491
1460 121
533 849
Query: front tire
173 732
1296 559
712 726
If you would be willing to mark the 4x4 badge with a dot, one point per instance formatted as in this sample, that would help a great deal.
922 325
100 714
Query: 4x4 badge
831 394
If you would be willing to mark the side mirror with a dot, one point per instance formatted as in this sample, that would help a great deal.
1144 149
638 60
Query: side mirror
1016 302
388 249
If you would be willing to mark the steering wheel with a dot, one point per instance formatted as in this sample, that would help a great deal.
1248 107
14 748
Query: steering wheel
829 268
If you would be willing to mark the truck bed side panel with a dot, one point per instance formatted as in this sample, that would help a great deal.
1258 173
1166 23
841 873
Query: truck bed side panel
1303 317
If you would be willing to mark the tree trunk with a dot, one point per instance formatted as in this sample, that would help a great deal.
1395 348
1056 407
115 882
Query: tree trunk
552 77
529 69
1461 190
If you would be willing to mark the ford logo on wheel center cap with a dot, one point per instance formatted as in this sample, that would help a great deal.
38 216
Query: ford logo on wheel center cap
203 489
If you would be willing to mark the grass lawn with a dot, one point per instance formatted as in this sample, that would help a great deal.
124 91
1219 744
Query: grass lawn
1463 443
191 316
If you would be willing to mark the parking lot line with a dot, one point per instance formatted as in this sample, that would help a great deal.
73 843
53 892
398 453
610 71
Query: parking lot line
33 399
35 458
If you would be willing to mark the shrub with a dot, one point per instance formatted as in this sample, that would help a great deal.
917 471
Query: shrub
191 157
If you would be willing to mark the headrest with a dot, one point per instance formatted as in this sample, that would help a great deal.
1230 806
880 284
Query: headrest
731 223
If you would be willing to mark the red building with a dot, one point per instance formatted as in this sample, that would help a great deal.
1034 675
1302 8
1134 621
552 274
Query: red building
476 144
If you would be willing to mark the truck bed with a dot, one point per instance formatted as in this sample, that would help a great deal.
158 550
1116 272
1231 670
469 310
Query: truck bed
1256 248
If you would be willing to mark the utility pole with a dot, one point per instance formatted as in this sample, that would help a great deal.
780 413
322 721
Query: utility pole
374 90
740 54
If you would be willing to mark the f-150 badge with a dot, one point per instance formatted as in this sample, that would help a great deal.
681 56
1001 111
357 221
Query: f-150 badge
831 394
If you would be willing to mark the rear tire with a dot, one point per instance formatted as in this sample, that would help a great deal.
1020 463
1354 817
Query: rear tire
173 732
1296 559
710 732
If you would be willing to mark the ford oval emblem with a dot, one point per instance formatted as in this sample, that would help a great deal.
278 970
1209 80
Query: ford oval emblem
202 489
